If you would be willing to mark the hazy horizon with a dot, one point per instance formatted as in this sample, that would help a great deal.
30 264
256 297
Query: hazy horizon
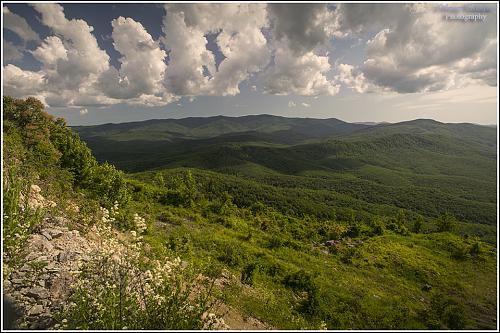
291 117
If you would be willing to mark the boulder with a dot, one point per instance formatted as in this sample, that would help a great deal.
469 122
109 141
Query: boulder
37 292
36 310
54 233
63 256
46 235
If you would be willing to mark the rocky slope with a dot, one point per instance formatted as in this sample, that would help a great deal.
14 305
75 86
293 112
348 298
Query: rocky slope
40 283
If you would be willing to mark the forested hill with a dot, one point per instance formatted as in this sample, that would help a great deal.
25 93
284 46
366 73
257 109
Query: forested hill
421 165
294 129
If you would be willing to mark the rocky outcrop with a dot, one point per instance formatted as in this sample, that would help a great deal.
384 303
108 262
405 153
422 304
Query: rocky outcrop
35 199
40 282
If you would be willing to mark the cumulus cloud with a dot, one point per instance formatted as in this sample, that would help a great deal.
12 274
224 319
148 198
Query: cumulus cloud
18 25
246 52
84 61
70 61
298 69
21 83
189 57
417 50
51 50
302 75
142 62
353 78
192 68
352 19
407 48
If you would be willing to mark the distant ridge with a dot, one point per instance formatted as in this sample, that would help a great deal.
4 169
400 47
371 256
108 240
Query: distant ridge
289 129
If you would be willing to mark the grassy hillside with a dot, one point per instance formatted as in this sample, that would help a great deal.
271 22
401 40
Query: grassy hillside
304 236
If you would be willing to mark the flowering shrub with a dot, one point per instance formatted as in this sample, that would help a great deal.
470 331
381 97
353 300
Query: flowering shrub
19 214
121 289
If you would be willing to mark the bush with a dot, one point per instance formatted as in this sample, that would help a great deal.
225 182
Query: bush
248 272
417 225
377 227
180 243
348 253
116 294
446 312
397 223
275 242
119 289
299 281
232 255
475 249
303 284
446 222
226 206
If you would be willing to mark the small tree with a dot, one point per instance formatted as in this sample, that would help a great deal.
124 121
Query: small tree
417 225
446 222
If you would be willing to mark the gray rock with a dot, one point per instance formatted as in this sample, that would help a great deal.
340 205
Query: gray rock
36 310
18 281
38 243
37 293
46 235
41 258
63 256
54 233
51 266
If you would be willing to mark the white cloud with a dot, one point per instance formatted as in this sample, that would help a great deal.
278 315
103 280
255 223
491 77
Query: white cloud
84 111
299 30
84 60
291 104
142 62
409 49
353 78
70 64
302 75
416 50
18 25
246 52
188 56
51 50
21 83
306 105
192 69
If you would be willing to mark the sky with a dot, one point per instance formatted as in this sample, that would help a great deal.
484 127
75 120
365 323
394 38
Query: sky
94 63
